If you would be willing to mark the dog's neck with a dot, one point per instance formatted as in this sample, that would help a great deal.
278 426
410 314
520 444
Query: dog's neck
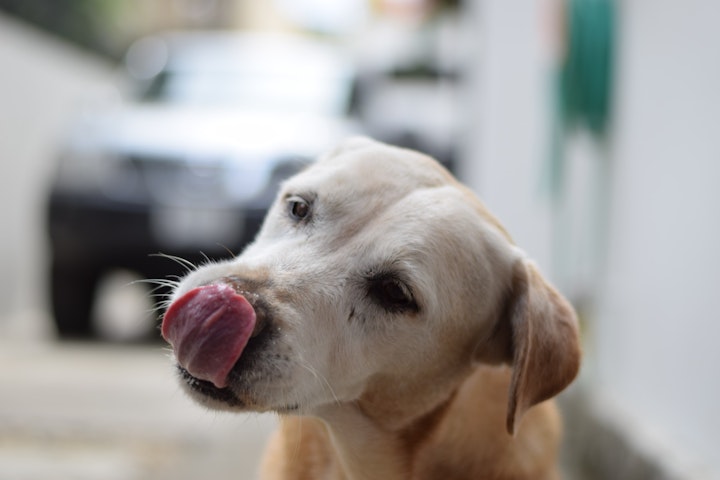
364 449
369 449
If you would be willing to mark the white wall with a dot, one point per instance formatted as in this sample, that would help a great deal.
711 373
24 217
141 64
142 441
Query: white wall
506 115
43 83
658 325
652 342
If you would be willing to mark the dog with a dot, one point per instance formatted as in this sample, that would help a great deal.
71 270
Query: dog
389 319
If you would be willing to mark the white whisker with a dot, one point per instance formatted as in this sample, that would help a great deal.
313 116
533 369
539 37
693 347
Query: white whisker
227 249
187 264
321 378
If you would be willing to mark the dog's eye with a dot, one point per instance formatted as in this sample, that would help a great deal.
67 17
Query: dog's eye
392 295
298 208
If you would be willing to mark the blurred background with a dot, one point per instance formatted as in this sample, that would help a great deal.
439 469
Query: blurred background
132 128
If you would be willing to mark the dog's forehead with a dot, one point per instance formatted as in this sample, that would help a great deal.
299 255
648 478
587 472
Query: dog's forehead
369 172
372 168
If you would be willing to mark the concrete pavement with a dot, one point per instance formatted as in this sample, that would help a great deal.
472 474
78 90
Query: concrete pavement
112 412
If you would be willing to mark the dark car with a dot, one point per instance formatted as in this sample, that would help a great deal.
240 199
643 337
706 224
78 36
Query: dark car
190 168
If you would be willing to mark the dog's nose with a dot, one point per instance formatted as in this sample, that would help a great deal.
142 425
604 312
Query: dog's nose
260 323
248 288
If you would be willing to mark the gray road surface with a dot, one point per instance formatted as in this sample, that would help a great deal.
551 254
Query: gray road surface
100 412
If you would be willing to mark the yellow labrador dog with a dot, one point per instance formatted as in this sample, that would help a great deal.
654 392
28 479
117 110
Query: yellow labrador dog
390 320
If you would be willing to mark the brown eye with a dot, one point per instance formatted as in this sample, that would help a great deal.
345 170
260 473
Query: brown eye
299 208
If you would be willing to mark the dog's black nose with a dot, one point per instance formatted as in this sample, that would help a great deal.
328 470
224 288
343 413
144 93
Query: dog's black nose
250 289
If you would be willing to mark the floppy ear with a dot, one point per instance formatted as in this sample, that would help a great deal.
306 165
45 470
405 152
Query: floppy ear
538 334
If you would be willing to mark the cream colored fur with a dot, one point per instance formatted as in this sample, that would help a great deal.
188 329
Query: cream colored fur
457 388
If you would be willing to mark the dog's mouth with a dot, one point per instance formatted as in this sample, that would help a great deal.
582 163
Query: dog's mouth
218 333
226 395
208 389
209 328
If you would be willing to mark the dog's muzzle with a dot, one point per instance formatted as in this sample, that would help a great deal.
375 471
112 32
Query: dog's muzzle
208 328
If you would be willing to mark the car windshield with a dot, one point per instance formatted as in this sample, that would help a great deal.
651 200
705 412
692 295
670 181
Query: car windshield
270 79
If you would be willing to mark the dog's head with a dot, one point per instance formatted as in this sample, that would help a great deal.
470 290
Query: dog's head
376 279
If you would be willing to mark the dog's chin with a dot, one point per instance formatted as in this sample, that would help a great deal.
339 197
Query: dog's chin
227 399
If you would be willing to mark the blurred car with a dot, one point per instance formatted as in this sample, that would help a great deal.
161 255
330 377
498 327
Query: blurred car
413 90
415 107
190 167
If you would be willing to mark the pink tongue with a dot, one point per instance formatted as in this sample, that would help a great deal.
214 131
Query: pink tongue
208 328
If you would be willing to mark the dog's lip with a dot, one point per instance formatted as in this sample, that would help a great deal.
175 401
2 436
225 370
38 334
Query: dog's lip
208 389
225 394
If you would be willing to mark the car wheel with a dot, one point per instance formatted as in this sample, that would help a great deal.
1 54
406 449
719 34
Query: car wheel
72 297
